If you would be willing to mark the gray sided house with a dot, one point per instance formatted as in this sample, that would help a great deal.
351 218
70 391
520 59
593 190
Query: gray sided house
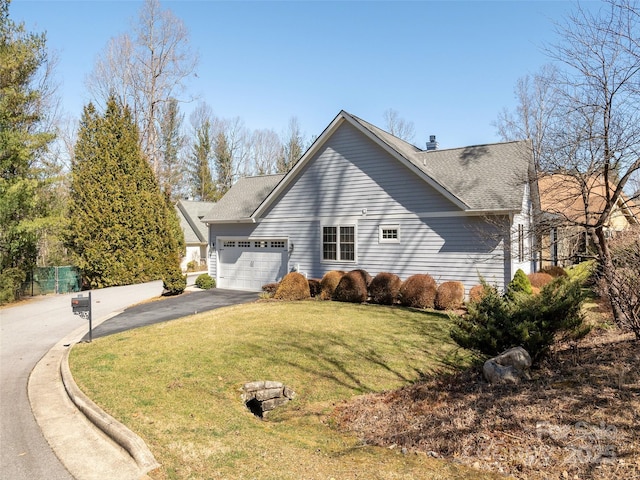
362 198
196 235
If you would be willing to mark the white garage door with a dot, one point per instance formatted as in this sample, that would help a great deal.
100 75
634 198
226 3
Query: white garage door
247 264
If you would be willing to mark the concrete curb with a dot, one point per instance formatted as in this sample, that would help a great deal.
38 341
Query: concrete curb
115 430
87 451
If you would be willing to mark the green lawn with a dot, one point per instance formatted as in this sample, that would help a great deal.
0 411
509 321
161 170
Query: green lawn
177 385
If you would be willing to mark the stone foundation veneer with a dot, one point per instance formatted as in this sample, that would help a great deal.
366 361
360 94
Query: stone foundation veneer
263 396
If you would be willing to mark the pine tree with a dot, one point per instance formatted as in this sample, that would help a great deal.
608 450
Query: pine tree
201 179
122 229
172 170
22 140
224 163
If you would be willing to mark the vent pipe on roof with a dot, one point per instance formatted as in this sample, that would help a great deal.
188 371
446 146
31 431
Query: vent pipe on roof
432 144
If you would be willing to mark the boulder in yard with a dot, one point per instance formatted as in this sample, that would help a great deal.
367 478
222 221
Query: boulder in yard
508 367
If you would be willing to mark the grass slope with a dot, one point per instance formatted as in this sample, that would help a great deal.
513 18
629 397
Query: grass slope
178 384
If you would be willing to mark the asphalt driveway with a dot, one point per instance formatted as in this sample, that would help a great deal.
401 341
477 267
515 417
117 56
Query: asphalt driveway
171 308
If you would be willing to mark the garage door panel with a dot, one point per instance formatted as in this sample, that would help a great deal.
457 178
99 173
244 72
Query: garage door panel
250 267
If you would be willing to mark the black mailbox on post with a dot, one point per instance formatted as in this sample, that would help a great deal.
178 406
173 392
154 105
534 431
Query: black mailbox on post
80 304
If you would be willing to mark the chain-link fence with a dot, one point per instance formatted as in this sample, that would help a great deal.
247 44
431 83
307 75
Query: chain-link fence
43 280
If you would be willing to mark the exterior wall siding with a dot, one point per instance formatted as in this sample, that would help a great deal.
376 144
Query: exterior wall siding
352 181
351 173
457 248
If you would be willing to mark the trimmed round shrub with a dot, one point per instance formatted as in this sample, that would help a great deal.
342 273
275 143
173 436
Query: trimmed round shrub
365 276
294 286
351 288
476 293
314 287
205 281
329 283
555 271
270 288
384 288
519 285
539 279
449 295
173 282
418 291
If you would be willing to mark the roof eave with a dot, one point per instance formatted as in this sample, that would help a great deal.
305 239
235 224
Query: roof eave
326 134
492 211
230 220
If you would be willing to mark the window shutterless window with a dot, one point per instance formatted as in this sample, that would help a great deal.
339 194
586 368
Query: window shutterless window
339 243
389 234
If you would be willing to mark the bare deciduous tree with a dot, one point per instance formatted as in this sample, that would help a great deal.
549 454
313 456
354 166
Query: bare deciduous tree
265 149
590 134
534 112
144 70
293 146
398 126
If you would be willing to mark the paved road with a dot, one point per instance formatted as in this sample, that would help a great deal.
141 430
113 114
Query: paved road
27 332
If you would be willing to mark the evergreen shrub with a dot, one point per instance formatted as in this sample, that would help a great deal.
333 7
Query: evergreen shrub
499 322
449 296
384 288
520 284
418 291
174 282
329 283
294 286
205 281
352 287
192 266
10 281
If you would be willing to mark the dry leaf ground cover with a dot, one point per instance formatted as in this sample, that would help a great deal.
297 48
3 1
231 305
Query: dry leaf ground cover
578 417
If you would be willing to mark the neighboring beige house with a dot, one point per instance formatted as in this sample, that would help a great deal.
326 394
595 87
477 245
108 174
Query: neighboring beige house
196 233
568 208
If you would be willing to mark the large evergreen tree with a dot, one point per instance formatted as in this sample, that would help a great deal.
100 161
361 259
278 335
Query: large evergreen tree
201 180
224 163
172 171
122 229
23 139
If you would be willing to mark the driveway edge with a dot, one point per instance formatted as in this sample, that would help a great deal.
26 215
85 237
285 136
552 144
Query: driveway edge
119 433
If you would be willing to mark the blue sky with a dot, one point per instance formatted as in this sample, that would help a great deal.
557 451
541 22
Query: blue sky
449 67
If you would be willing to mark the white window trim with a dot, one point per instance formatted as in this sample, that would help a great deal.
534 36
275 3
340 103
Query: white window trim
355 242
382 227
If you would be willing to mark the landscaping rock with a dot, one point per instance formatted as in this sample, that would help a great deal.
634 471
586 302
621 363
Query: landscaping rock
508 367
263 396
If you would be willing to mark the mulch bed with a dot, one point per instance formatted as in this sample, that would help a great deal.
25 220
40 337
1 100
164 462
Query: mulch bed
577 418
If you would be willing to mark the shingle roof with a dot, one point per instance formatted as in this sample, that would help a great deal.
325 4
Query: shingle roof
478 178
242 199
483 177
190 214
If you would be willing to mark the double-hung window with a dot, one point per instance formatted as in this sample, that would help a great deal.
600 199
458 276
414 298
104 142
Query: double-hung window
339 243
